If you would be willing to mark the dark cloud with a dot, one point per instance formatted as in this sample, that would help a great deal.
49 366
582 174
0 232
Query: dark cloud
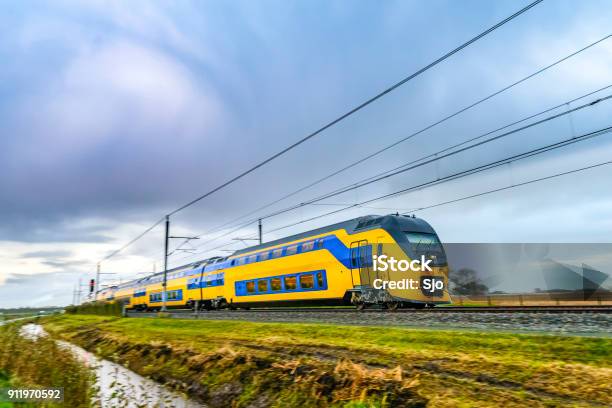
17 278
114 119
60 253
52 230
63 264
42 289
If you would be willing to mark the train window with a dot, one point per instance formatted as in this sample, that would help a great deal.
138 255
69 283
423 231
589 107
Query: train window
291 250
262 285
264 256
308 246
306 281
354 257
250 286
365 255
276 284
319 243
252 258
277 253
320 282
290 282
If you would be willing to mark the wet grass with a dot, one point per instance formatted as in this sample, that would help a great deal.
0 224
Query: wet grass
27 363
324 365
14 316
100 309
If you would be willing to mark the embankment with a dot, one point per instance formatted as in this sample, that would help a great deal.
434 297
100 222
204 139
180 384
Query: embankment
246 364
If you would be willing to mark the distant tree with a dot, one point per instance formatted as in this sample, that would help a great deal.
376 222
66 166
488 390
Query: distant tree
465 281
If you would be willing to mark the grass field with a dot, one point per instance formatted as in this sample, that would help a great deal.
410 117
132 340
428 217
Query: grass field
41 363
323 365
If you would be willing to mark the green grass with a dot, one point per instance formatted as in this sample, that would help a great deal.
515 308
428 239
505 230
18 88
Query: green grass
100 309
447 368
26 363
526 346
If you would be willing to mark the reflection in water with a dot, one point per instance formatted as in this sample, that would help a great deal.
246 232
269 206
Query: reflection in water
117 386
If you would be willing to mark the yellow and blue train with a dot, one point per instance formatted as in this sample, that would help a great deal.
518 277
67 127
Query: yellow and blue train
332 265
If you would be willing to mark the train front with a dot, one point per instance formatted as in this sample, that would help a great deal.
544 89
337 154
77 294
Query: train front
412 269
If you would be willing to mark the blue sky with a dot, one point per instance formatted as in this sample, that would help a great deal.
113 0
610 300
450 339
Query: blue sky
113 113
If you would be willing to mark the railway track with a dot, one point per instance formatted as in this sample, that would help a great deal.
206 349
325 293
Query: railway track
350 310
572 320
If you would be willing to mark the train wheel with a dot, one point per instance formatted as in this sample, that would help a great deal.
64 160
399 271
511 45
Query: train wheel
360 306
391 306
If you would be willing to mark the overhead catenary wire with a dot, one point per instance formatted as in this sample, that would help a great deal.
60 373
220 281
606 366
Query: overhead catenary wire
481 136
465 173
142 234
474 170
511 186
337 120
442 154
360 106
426 128
483 193
480 194
434 156
368 102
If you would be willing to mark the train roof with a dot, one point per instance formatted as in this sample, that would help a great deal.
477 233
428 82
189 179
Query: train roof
388 222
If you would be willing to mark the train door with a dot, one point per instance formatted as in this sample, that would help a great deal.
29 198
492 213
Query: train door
379 249
361 262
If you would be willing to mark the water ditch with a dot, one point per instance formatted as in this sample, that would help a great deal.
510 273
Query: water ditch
117 386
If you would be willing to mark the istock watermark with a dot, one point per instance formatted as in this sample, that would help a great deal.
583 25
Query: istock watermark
383 263
428 284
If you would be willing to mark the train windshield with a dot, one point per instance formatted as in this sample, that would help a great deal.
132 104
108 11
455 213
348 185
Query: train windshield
428 245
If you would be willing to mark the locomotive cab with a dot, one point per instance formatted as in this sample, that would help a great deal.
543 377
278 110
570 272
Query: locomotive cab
408 267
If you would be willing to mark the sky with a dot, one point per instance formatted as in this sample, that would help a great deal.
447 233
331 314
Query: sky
113 114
